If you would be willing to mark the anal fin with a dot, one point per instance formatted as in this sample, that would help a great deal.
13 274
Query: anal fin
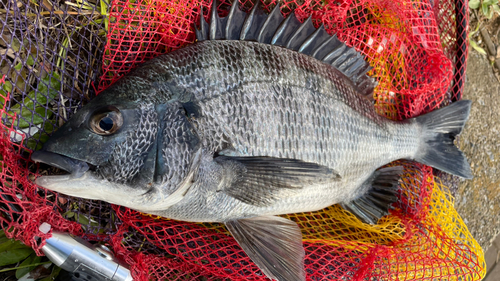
273 243
375 204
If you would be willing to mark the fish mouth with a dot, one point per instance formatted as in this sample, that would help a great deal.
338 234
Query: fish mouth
76 168
81 181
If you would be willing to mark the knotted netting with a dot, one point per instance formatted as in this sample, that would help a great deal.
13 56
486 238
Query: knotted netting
55 56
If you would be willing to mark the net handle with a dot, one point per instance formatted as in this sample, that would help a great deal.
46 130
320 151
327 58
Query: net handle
459 77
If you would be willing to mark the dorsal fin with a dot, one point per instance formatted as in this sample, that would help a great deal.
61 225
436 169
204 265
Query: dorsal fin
314 41
288 32
235 21
253 23
202 32
217 25
301 34
274 19
285 30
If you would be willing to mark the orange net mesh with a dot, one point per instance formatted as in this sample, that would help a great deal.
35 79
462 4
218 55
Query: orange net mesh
418 52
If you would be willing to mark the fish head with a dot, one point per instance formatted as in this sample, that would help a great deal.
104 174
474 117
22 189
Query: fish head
109 147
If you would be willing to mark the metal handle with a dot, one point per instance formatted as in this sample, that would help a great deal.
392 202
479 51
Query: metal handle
76 255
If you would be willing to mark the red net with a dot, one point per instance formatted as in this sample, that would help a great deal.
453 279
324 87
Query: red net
418 52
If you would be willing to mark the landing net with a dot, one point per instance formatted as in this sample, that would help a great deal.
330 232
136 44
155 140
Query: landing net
56 56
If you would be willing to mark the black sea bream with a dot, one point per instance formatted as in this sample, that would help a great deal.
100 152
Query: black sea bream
262 116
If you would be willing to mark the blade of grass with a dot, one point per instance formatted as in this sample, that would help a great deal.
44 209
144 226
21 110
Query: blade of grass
15 268
104 12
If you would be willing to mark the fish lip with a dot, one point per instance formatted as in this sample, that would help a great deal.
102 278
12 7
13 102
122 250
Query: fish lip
75 167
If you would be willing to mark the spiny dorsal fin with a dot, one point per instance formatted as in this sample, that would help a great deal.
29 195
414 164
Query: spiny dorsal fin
253 23
202 32
288 32
301 34
285 30
270 25
217 25
235 21
314 41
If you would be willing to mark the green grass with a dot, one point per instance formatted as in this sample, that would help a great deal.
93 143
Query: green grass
488 7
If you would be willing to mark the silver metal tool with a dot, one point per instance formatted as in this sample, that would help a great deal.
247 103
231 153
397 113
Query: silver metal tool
78 256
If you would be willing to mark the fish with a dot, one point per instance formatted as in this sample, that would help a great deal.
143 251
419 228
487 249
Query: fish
262 116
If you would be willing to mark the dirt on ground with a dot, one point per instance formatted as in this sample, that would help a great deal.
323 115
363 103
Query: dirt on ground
478 200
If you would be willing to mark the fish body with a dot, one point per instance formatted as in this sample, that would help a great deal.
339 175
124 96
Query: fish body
284 105
238 131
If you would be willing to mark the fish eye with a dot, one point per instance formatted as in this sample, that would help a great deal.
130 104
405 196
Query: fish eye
106 123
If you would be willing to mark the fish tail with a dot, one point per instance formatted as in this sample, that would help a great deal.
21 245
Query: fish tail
439 129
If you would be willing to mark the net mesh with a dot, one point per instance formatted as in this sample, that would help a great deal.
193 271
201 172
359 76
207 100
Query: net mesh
51 53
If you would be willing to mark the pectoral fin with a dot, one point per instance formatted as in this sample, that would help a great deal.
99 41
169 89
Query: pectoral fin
273 243
382 193
259 180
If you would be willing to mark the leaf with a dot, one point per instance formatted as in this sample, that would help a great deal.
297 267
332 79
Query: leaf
29 265
489 13
68 214
86 221
4 240
34 106
476 47
485 9
12 244
7 87
14 256
31 100
50 85
15 45
33 111
83 219
495 8
18 66
474 4
4 89
28 117
19 79
32 259
31 60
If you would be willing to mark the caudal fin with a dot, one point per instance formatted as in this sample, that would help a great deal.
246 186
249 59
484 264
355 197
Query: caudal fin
439 129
